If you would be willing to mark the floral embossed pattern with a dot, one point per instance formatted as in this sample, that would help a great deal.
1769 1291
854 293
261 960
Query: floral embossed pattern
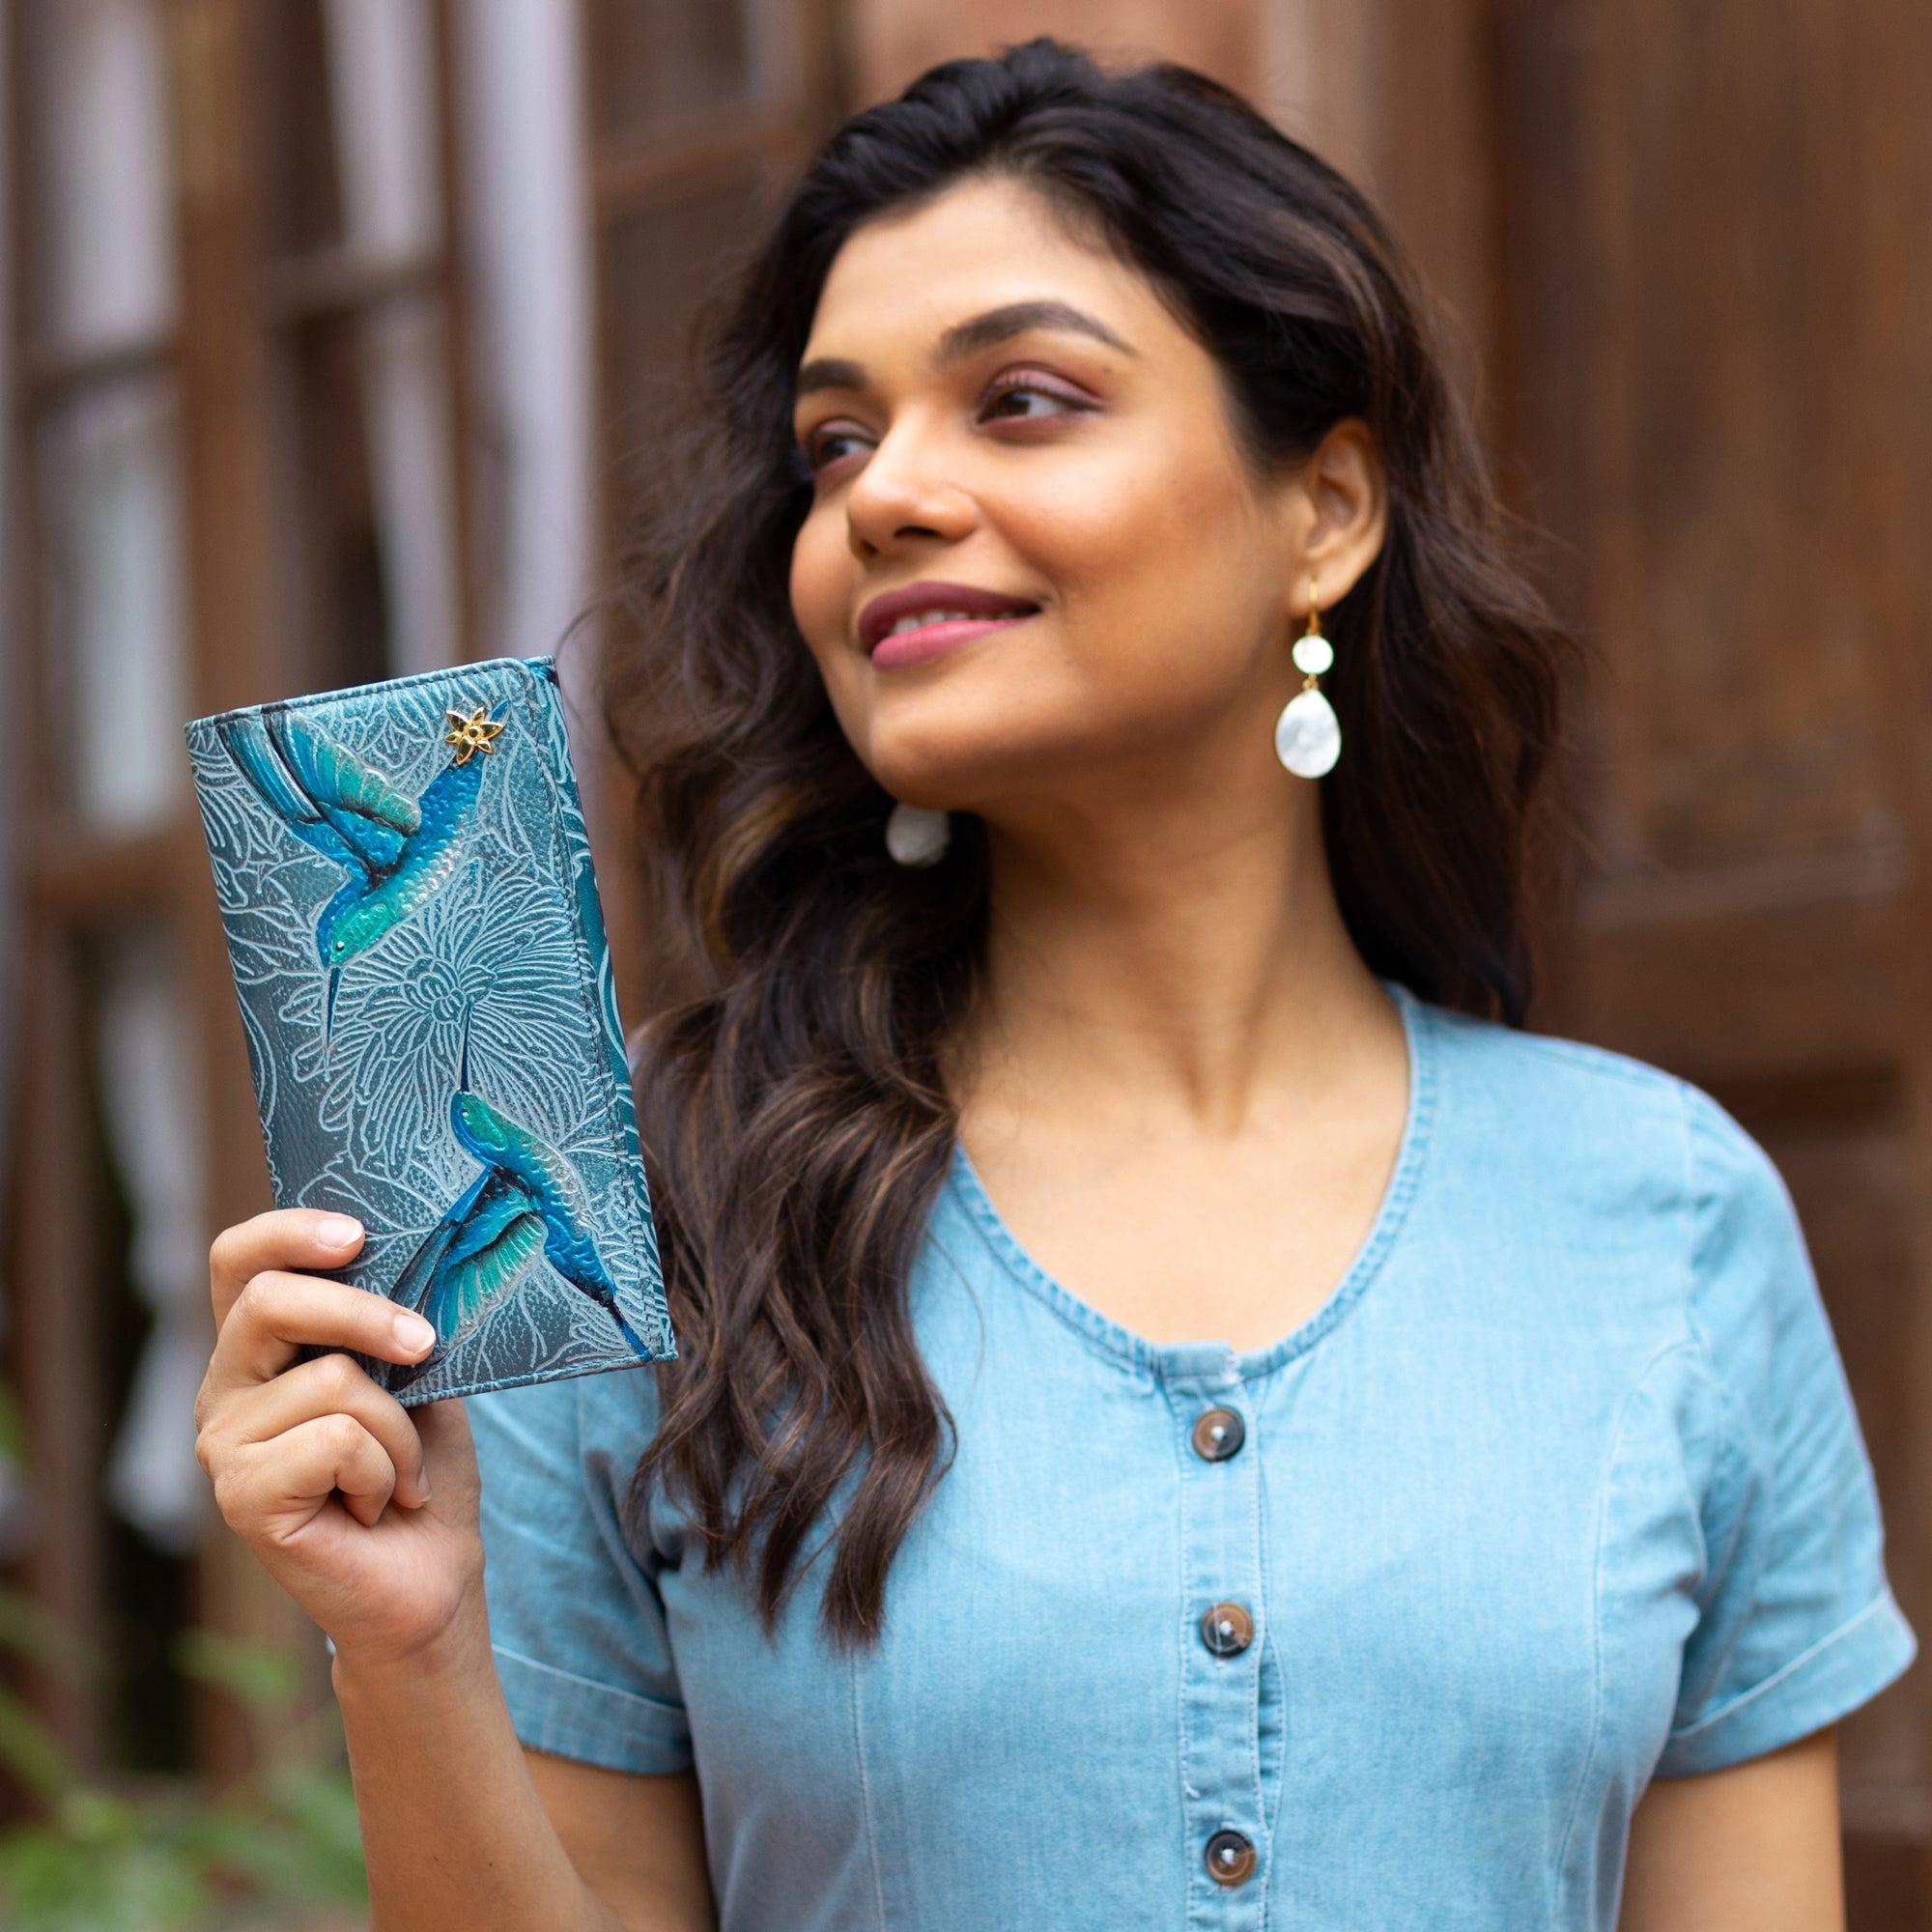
426 992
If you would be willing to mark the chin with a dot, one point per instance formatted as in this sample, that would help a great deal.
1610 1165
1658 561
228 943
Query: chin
933 748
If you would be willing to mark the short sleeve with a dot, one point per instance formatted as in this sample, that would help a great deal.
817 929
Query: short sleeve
577 1620
1796 1625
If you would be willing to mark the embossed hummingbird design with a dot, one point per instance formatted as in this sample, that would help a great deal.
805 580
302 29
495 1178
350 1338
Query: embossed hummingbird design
396 849
524 1203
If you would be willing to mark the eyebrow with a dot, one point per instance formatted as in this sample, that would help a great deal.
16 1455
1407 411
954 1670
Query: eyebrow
1000 325
830 372
969 338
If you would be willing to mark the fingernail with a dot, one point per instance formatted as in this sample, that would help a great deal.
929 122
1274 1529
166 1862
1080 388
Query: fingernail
337 1231
413 1333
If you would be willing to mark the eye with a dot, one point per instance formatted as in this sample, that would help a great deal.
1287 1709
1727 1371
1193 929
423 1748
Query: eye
1024 395
830 443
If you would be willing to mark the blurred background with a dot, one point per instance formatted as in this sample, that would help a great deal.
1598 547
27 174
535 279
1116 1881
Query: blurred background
335 334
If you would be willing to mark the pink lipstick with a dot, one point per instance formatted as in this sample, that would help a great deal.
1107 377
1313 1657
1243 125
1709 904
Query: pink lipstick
929 618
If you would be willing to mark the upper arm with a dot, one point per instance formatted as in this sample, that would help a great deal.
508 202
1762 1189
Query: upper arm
577 1613
582 1648
638 1842
1751 1849
1795 1626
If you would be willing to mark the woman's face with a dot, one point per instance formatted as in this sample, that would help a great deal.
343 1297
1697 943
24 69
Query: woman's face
1036 559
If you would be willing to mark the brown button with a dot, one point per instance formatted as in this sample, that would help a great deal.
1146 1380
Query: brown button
1226 1629
1229 1859
1218 1434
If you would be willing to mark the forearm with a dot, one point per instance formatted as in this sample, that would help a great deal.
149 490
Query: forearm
455 1836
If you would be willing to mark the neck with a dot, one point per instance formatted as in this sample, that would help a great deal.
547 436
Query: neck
1185 958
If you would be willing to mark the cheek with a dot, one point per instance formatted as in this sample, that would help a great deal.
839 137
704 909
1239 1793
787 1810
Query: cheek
821 572
1161 564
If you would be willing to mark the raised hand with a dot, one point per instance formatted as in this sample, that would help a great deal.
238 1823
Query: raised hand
364 1513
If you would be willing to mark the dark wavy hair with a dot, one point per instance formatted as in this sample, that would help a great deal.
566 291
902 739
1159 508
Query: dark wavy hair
795 1113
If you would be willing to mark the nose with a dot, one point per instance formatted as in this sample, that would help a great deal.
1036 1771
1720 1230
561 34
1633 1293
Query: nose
904 495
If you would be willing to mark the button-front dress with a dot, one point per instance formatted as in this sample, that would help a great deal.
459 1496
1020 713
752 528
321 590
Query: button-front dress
1386 1625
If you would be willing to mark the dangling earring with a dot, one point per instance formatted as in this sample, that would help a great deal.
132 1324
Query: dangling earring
915 836
1307 735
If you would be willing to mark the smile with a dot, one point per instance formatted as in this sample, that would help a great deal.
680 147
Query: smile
926 621
919 619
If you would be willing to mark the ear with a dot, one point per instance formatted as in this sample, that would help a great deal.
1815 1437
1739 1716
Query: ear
1341 510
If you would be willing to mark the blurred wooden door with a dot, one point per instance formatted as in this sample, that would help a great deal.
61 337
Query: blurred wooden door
1716 360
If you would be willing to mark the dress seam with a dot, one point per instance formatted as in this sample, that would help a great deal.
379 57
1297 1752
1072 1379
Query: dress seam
1187 1792
1262 1820
587 1683
866 1792
1733 1444
1746 1697
1561 1872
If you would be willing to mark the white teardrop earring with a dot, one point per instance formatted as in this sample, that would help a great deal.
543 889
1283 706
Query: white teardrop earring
915 836
1307 735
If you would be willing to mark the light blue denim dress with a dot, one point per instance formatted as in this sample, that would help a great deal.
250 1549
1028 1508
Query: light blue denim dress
1561 1490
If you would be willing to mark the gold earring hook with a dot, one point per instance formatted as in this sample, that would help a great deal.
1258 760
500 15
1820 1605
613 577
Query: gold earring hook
1314 612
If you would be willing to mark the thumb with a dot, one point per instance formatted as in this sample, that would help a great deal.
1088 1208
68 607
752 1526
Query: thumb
449 1457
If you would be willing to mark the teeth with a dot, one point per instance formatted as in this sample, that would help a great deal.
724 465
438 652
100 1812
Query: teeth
917 620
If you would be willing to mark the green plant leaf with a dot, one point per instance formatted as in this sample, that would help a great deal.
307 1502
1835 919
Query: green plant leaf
30 1750
176 1859
55 1883
257 1675
28 1628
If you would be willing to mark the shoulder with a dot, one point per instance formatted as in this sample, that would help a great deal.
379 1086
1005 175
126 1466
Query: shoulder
1484 1061
1572 1129
1559 1102
1624 1159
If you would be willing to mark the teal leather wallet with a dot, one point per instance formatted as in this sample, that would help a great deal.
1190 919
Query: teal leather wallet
426 990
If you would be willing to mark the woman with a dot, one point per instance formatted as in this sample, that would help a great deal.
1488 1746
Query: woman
1183 1415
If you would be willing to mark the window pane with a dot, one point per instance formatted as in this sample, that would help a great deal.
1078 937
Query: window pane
149 1110
364 503
657 61
152 1348
113 603
382 60
102 207
349 127
301 181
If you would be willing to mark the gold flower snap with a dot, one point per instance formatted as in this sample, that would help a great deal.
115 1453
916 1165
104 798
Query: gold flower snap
470 735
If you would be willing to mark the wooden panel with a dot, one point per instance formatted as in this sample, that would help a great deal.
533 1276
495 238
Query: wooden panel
1742 684
1434 166
1715 389
895 40
657 269
1724 994
654 62
54 1349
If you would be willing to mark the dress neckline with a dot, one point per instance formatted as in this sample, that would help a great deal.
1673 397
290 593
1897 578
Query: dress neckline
1218 1363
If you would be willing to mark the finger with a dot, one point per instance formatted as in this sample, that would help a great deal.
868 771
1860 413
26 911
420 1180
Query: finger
277 1314
277 1488
450 1453
290 1237
328 1386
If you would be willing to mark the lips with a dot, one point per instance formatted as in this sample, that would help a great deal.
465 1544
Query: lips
933 606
